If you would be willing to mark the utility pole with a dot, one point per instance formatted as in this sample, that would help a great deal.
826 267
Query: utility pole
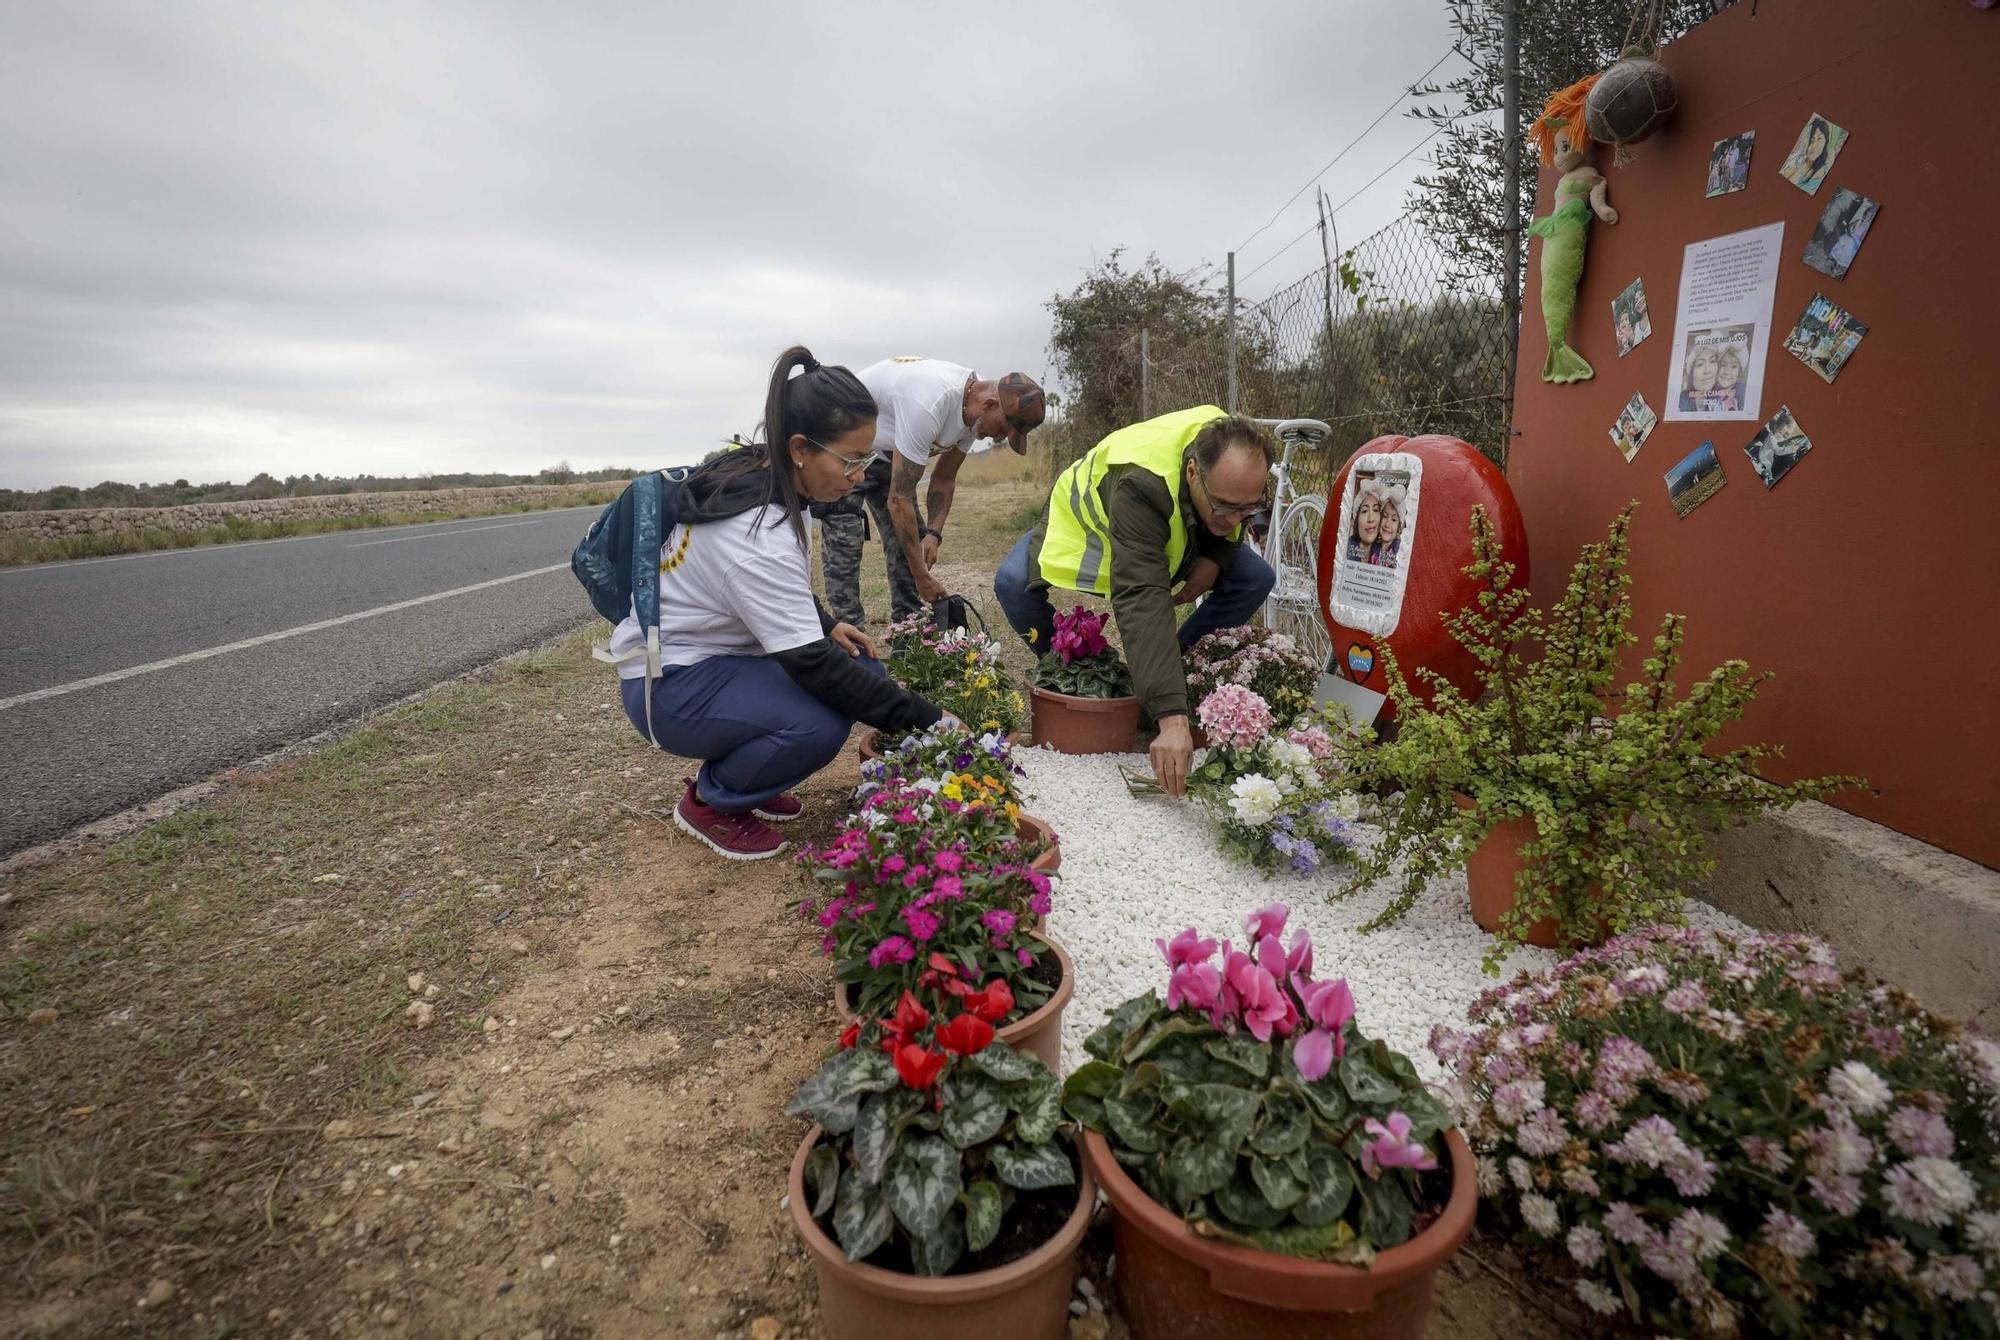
1231 405
1510 280
1145 377
1326 301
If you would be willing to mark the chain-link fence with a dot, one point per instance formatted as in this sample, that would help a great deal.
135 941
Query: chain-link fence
1377 340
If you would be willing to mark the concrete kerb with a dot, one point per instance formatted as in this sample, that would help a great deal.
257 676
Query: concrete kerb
1910 913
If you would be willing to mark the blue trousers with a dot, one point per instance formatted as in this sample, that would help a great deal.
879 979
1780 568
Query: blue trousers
1232 602
757 732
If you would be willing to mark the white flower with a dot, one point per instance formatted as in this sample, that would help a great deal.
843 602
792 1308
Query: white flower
1345 806
1520 1174
1291 757
1579 1181
1858 1089
1598 1298
1701 1233
1954 1277
1255 798
1586 1246
1539 1213
1542 1134
1931 1192
1517 1098
1490 1181
1982 1230
1788 1233
1986 1061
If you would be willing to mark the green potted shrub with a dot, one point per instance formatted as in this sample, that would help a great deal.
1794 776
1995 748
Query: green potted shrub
1706 1135
1578 810
1271 1171
938 1192
1082 690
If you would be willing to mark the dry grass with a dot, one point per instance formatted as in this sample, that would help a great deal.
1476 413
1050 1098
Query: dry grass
17 549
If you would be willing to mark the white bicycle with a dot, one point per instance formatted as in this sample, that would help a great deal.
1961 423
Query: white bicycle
1291 543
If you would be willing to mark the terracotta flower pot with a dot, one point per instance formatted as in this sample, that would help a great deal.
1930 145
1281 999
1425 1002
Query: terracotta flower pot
868 748
1173 1285
1072 725
1027 1299
1037 832
1039 1033
1489 876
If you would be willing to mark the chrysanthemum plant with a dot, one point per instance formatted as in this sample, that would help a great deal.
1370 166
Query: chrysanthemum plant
1735 1137
1620 784
933 1128
1080 661
1249 1102
918 875
958 669
1263 660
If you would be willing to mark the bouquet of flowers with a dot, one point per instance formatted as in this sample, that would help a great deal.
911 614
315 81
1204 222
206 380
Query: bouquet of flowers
1251 1103
1263 660
1731 1137
922 879
1080 661
1280 797
932 1131
958 669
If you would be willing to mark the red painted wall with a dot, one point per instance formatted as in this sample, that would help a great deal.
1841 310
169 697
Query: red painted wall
1867 578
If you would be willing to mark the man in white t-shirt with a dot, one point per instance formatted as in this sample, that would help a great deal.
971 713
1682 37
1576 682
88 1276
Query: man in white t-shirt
925 408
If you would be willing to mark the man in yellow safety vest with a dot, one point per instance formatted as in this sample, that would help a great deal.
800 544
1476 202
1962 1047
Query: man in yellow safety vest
1152 516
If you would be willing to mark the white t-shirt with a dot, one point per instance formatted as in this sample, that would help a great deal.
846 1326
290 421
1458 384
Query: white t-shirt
919 406
740 588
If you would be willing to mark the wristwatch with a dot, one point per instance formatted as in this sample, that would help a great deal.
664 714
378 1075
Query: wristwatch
933 532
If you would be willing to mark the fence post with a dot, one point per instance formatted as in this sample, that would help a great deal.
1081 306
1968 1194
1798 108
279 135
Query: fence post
1231 404
1511 225
1145 377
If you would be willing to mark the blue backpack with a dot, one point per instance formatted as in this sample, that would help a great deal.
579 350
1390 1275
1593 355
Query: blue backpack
618 562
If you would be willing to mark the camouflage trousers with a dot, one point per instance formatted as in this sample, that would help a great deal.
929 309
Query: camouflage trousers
843 530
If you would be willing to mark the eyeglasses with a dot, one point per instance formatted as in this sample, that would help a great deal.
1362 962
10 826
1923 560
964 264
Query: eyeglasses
1230 511
849 465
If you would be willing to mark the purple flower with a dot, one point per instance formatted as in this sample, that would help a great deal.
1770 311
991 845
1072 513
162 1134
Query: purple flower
1000 921
923 923
1687 998
1542 1134
948 861
1625 1224
1390 1146
1766 1154
894 864
1023 957
1787 1233
1039 904
949 887
1842 1195
1595 1112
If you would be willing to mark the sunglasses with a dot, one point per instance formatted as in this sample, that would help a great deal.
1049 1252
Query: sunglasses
849 465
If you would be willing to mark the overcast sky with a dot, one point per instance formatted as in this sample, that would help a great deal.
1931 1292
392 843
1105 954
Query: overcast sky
429 236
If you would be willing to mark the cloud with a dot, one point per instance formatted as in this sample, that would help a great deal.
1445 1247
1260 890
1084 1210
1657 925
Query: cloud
339 237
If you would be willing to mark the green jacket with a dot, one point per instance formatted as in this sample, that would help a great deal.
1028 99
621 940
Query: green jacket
1142 601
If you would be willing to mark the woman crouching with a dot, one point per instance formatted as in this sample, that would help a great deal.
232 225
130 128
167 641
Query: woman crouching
758 680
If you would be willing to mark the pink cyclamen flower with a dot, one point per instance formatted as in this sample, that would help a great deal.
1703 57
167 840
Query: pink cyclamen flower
1264 1006
1329 1005
1266 921
1187 947
1390 1146
1198 985
1299 958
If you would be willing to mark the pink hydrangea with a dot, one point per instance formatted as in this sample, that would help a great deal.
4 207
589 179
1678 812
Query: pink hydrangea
1235 717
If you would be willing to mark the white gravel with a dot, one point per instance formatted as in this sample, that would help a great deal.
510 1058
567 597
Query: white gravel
1136 869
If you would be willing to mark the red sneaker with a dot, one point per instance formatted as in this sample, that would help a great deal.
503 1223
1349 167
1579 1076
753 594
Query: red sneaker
739 837
780 809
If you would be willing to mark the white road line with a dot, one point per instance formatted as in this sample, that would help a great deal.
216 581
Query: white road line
17 569
114 676
447 534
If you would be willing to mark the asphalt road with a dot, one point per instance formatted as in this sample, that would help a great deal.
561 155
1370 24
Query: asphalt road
123 678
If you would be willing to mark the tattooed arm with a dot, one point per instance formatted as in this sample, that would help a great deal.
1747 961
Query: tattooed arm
937 504
903 482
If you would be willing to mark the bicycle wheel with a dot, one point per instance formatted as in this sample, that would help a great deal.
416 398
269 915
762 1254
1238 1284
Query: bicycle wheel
1293 607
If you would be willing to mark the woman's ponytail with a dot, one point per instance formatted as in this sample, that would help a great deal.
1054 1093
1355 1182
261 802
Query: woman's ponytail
821 403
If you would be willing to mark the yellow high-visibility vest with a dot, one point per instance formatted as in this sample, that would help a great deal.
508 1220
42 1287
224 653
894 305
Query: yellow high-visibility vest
1076 546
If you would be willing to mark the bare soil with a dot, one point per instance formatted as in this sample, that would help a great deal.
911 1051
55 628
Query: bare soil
229 1114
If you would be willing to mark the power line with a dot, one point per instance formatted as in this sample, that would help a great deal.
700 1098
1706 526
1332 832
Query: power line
1313 227
1407 90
